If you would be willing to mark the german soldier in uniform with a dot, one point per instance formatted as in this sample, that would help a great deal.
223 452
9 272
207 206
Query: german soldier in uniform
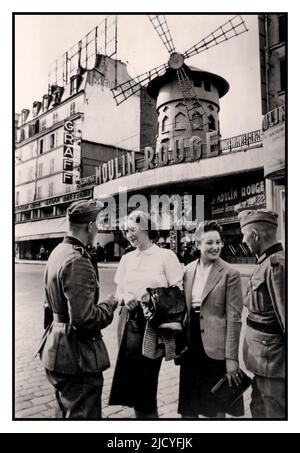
264 345
72 350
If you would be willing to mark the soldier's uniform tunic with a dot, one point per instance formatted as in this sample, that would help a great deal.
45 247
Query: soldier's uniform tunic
264 344
72 350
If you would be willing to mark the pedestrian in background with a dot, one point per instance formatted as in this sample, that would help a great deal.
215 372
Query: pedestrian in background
72 350
264 345
214 299
147 266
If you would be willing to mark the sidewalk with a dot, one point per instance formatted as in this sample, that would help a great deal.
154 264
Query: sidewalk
108 265
245 269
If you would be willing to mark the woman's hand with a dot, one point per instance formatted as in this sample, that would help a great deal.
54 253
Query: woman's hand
145 304
131 304
233 372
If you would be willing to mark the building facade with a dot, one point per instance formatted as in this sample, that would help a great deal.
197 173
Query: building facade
273 42
62 139
190 160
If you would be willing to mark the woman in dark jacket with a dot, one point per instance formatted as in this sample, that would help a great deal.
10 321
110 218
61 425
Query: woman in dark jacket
147 266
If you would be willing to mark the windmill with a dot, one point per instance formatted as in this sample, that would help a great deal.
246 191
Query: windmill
176 67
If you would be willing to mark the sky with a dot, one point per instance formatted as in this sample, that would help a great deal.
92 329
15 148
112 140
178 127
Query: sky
40 39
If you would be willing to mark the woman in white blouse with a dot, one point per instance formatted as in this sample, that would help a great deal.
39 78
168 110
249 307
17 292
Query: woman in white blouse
148 266
214 301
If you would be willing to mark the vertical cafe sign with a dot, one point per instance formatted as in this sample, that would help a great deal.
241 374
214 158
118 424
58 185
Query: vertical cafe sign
68 152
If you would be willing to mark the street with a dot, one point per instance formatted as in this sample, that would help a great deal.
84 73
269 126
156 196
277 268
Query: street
34 397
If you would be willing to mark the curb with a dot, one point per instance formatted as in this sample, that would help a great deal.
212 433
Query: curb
43 263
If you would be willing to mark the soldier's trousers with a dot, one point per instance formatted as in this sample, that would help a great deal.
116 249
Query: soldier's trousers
77 396
268 397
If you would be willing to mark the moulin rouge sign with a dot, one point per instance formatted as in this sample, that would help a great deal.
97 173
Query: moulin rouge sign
178 151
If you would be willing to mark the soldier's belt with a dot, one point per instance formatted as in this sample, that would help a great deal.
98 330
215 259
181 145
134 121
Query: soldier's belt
271 328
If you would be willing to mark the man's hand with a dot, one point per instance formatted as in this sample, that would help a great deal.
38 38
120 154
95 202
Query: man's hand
113 301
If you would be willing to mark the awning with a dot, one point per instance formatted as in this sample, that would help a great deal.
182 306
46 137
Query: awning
41 229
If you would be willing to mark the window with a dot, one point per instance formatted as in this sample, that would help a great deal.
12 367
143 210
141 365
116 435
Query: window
51 169
31 130
212 123
43 124
19 177
30 174
46 99
207 85
41 148
17 198
52 141
197 122
180 105
164 124
29 195
50 189
180 121
39 192
55 117
73 85
22 134
40 170
72 108
37 127
283 75
282 28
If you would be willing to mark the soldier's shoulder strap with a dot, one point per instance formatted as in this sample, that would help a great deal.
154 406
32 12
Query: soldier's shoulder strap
276 259
81 250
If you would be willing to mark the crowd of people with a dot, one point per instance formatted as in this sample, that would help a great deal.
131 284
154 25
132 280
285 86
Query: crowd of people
204 342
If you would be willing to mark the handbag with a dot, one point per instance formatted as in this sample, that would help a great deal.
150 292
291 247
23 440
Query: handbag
134 334
168 307
227 395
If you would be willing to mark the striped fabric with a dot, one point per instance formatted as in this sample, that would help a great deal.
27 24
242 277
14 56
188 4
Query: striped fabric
159 343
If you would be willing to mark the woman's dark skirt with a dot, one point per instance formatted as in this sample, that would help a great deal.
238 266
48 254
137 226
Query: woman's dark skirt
136 377
198 375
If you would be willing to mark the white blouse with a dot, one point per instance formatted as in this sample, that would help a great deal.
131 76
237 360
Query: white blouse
200 280
150 268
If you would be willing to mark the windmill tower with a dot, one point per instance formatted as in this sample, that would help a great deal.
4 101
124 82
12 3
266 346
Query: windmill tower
174 119
187 98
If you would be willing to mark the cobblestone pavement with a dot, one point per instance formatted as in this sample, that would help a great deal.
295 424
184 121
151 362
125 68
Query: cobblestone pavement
34 397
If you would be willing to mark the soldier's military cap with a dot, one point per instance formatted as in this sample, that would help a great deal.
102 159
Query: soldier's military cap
257 215
84 211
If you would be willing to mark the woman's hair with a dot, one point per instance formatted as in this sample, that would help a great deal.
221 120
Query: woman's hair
208 225
142 220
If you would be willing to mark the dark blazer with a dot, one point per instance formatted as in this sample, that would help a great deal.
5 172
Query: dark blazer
73 342
220 313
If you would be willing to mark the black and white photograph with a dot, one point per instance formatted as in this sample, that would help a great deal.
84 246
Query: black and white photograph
149 213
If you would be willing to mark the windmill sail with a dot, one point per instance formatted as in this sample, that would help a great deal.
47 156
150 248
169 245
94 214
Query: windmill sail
230 29
126 89
161 26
